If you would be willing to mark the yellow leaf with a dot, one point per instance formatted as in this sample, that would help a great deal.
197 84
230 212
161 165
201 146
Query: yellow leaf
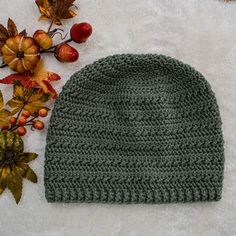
31 99
3 182
43 78
56 10
4 117
14 183
18 90
14 164
5 172
30 175
27 157
42 18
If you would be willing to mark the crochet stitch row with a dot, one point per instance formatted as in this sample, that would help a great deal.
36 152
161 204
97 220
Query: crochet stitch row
135 129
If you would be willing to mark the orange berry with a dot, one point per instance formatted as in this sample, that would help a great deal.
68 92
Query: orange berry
43 39
12 120
38 124
5 126
26 114
43 112
22 120
21 130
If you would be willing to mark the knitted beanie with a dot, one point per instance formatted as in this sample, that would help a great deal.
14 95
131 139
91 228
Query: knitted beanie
135 129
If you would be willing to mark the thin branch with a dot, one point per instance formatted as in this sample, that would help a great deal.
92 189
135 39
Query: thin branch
50 26
3 65
53 47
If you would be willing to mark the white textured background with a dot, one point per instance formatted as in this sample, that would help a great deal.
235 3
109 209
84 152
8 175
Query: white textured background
201 33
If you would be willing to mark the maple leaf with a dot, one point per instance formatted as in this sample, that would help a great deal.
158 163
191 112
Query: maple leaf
30 99
8 32
55 9
39 78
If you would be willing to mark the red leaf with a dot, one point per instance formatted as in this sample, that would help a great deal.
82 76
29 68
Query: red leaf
50 89
54 77
24 79
10 79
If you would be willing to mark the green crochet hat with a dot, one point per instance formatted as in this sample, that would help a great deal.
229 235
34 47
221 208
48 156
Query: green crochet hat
135 129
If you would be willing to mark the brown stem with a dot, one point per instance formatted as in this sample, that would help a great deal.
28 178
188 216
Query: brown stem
29 122
47 51
3 65
32 119
14 127
53 47
50 26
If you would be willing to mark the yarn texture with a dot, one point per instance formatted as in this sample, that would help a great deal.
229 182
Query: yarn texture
135 129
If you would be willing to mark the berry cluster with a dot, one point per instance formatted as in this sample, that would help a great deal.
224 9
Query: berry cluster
18 123
63 52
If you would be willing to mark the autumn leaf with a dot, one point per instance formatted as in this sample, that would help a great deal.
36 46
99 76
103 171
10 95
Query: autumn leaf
31 99
55 9
12 30
4 114
14 164
8 32
39 78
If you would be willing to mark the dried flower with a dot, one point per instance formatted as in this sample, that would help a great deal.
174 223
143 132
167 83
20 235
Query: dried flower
14 164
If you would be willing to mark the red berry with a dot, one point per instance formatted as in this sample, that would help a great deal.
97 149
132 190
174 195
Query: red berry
22 120
43 112
80 32
12 120
65 53
26 114
38 124
21 130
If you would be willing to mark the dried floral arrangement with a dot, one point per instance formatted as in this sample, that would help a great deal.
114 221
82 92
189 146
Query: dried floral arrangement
32 87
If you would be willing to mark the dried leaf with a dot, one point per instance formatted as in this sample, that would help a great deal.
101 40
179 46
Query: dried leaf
30 175
13 172
31 99
12 30
56 9
27 157
6 33
4 117
4 114
40 78
23 33
14 183
3 182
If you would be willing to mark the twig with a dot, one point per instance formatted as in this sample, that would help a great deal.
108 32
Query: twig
50 26
3 65
29 122
14 127
53 47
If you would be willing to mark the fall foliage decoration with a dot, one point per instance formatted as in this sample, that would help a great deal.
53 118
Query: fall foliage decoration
32 85
14 164
21 53
38 78
56 10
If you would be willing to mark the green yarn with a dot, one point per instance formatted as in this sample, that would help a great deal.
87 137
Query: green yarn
135 129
